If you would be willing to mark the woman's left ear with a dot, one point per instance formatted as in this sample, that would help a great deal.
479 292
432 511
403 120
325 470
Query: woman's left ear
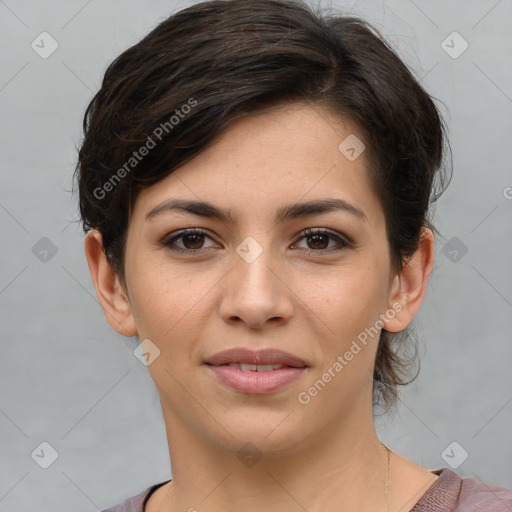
410 284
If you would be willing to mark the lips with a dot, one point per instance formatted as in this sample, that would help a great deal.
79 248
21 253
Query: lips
255 372
243 356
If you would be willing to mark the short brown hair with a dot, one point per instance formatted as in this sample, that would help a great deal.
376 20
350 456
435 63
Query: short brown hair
226 59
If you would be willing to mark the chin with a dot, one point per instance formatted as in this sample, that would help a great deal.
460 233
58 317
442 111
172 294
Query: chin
273 432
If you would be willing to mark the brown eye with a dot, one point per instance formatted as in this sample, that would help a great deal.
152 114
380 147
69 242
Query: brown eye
318 241
192 240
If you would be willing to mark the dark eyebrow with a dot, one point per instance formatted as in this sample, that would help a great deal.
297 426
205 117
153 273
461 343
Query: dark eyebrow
294 211
201 208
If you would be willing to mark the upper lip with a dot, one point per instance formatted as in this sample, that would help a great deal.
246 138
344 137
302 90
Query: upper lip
246 356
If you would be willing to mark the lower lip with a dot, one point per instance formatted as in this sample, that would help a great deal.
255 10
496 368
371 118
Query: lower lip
252 382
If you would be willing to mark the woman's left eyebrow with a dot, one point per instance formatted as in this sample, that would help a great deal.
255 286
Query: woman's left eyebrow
289 212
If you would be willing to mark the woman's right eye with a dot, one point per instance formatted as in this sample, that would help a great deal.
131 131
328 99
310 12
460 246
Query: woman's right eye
192 241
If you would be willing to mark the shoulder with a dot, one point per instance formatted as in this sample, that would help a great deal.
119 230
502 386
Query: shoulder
135 503
452 493
475 496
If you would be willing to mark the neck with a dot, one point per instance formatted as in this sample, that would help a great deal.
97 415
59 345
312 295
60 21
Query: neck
344 469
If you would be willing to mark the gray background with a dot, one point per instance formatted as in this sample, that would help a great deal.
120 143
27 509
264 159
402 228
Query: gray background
70 380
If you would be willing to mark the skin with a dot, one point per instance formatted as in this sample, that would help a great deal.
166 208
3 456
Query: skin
324 455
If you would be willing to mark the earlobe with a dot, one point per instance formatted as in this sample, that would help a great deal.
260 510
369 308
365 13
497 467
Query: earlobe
410 284
113 299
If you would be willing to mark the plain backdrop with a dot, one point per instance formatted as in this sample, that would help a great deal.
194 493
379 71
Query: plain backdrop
69 380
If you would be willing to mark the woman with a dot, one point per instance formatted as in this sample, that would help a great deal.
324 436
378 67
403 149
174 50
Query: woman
255 181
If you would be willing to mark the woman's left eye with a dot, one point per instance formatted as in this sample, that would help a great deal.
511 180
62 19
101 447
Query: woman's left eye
319 239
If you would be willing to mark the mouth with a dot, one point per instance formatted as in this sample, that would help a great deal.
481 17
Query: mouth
249 372
247 367
249 360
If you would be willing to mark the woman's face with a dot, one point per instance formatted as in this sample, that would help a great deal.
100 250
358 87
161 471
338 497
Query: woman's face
258 282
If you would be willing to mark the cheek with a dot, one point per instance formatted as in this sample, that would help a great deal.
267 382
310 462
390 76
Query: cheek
170 301
347 306
346 299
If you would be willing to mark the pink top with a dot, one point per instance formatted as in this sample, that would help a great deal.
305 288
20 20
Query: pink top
449 493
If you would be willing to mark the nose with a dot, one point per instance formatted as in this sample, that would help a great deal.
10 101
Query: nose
256 293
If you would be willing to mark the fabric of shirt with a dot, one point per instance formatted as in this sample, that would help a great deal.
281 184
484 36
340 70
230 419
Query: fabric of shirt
449 493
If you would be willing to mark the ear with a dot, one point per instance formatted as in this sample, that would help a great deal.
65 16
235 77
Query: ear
113 298
410 284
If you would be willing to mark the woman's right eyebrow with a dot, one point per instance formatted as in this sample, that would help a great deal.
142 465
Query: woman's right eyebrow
200 208
289 212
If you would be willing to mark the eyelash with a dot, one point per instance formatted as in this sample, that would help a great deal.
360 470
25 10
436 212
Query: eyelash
167 241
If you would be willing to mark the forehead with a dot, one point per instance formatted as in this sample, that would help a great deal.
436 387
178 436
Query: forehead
264 161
